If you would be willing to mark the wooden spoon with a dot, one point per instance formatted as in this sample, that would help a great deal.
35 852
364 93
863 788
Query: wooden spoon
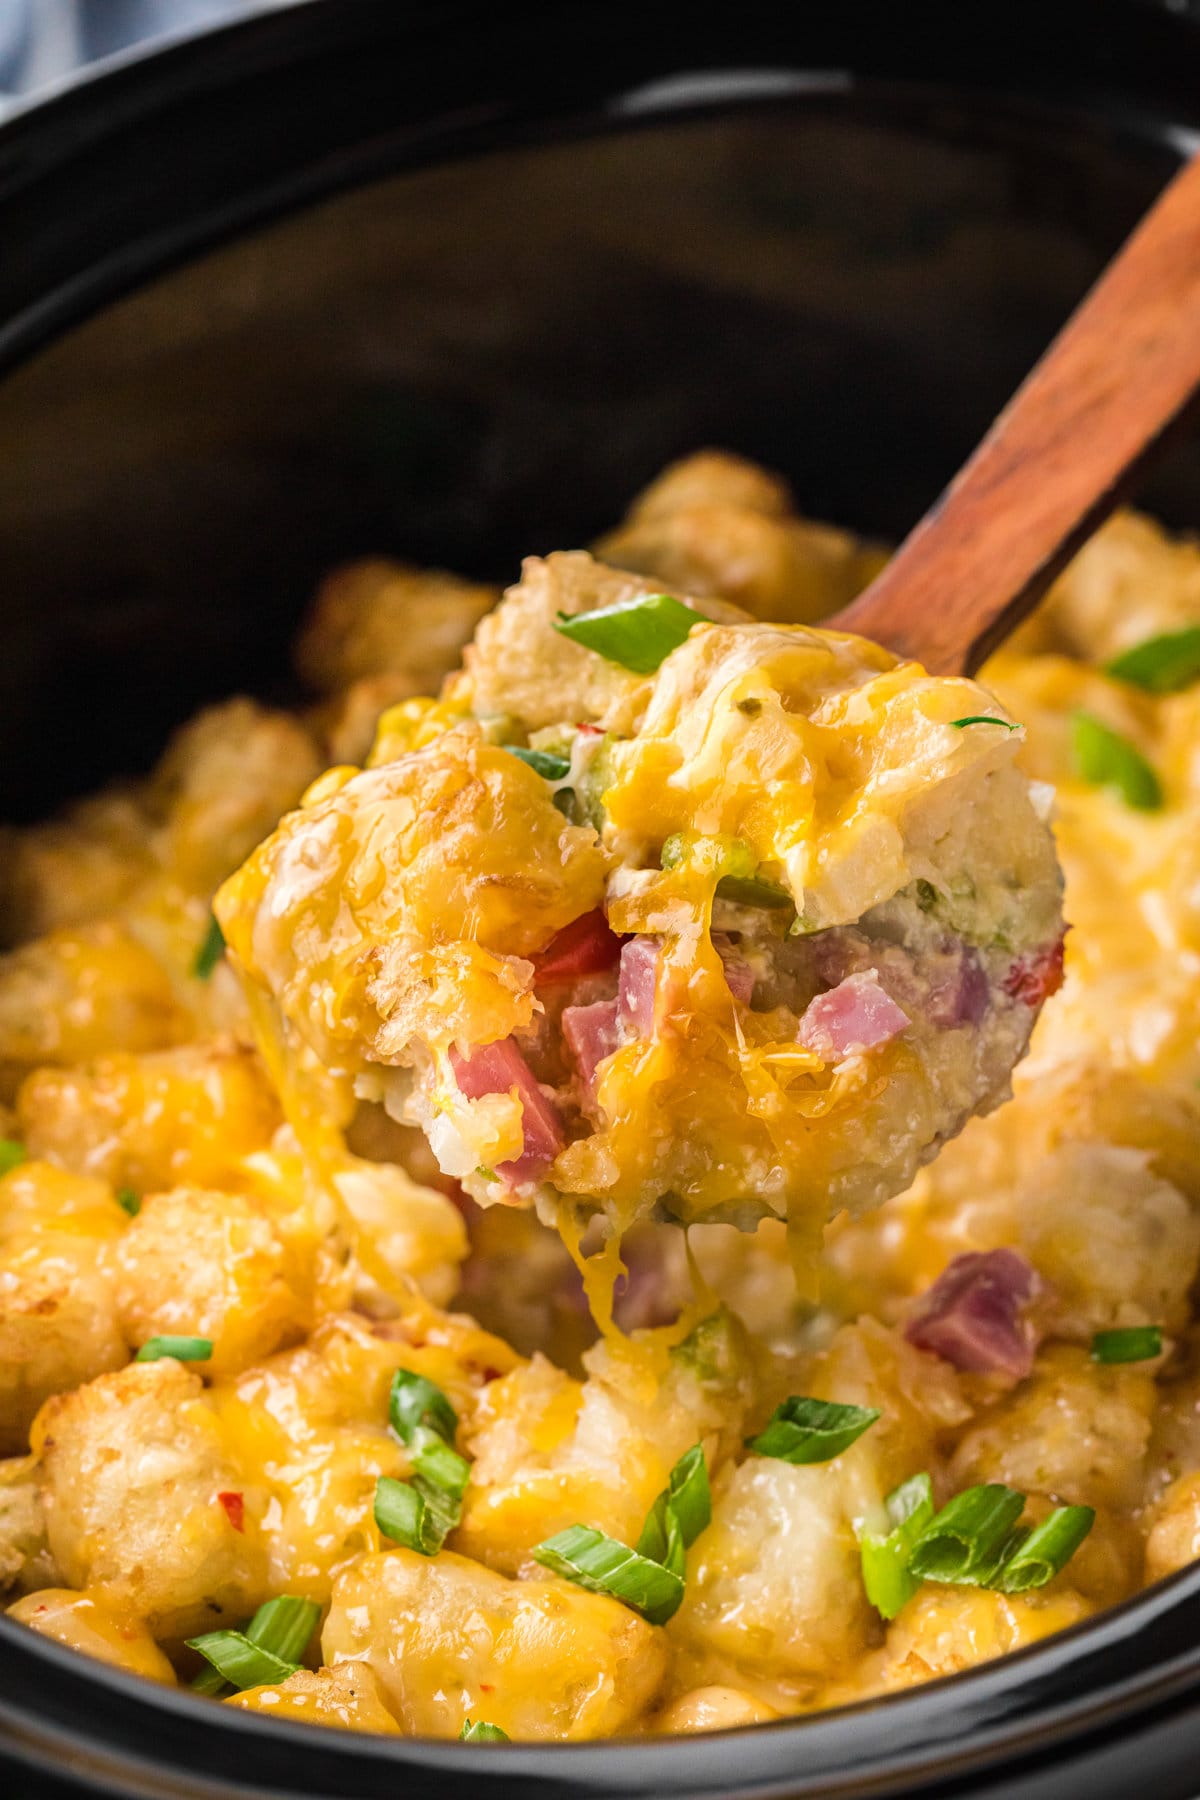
1058 458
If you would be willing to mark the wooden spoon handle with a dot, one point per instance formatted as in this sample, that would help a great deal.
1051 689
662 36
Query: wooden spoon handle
1055 462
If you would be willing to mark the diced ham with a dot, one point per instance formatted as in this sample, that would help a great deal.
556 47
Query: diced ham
854 1016
1033 978
739 976
584 947
591 1033
971 1316
497 1069
636 984
958 990
948 986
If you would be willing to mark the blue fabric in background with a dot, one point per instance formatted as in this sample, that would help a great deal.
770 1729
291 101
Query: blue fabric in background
46 41
14 37
109 25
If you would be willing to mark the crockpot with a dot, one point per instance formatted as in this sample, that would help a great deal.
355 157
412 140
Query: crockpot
451 281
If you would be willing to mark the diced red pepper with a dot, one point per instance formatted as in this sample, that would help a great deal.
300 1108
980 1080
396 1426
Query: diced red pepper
235 1510
584 947
1032 979
497 1069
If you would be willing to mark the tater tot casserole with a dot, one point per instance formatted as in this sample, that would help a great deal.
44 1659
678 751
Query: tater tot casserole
627 1165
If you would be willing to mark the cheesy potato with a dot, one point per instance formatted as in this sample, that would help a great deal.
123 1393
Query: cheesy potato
562 1259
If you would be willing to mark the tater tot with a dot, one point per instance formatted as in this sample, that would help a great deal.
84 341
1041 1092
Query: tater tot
450 1641
133 1467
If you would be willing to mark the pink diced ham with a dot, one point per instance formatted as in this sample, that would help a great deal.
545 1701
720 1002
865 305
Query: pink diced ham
636 984
739 975
854 1016
958 988
591 1033
497 1069
971 1316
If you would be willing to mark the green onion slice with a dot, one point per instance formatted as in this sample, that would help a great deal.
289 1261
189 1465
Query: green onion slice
1138 1343
478 1731
238 1662
415 1513
183 1349
1160 665
542 762
886 1575
753 892
128 1201
415 1402
969 1541
603 1566
422 1513
983 719
801 1430
1045 1550
440 1466
211 950
639 634
284 1626
268 1650
1106 759
12 1155
679 1514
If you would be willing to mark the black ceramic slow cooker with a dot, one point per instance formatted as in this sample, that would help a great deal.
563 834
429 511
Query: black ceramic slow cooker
451 281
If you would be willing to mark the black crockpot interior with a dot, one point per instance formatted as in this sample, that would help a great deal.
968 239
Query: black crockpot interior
450 283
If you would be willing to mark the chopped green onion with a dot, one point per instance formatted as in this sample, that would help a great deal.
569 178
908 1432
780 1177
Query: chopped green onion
1106 759
239 1662
639 634
439 1465
421 1513
754 893
129 1202
927 895
1045 1550
603 1566
983 719
210 952
1138 1343
801 1430
690 1495
267 1651
542 762
886 1576
970 1539
679 1514
1160 665
415 1402
739 882
12 1155
480 1732
284 1626
417 1515
183 1349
